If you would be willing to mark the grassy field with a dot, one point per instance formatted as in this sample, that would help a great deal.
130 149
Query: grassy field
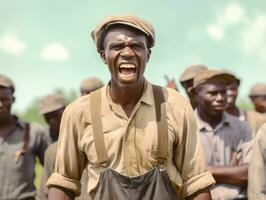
38 174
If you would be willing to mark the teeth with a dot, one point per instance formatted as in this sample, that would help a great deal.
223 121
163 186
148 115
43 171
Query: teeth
127 66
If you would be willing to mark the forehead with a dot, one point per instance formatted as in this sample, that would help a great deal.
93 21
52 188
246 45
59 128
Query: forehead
213 86
120 32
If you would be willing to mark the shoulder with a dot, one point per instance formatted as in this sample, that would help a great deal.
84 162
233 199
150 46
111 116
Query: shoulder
235 122
240 128
51 150
261 135
174 98
253 115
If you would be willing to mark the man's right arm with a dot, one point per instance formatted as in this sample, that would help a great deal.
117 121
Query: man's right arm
57 193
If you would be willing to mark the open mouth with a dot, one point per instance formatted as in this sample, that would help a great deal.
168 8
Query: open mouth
127 71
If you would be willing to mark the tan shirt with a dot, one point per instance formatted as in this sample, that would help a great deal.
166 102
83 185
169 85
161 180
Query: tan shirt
131 143
226 145
257 167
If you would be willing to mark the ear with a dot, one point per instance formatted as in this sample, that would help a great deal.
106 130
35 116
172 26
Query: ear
103 57
148 54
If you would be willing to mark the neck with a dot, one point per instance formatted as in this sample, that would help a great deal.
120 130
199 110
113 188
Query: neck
6 125
233 110
212 119
127 97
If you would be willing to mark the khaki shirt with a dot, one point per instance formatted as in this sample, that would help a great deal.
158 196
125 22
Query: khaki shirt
17 178
226 145
257 167
131 143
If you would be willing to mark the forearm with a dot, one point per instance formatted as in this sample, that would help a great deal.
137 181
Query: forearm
57 193
233 175
201 195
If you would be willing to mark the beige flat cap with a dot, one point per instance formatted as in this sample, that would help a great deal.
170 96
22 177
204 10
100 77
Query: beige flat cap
91 84
128 20
51 103
258 89
210 75
191 71
6 82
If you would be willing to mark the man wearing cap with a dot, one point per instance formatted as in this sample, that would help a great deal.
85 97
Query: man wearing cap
257 167
20 143
226 140
51 107
258 97
253 118
186 80
89 85
136 135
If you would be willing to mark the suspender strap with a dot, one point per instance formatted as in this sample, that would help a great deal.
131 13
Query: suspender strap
161 119
96 120
26 139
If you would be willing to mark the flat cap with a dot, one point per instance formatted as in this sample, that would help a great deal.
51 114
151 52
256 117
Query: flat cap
258 89
211 75
127 20
51 103
6 82
91 84
191 71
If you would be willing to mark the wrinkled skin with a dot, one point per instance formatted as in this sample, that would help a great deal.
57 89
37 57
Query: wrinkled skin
125 46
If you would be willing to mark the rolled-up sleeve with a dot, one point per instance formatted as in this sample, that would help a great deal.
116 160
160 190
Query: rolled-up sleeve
189 157
70 161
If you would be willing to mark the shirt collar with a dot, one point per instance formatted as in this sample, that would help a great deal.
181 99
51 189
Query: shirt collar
206 126
146 97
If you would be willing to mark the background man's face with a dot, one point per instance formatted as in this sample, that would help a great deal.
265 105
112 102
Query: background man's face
6 101
231 91
211 98
259 103
126 54
53 119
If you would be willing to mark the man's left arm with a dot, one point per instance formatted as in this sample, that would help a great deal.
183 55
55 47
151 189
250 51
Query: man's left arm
42 140
232 175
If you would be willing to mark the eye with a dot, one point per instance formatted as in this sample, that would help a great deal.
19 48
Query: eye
116 46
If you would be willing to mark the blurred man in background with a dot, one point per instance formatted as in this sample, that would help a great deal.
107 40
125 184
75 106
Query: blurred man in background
89 85
186 80
254 119
51 107
258 97
20 143
226 140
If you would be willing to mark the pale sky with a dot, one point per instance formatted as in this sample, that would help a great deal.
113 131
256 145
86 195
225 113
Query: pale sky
46 45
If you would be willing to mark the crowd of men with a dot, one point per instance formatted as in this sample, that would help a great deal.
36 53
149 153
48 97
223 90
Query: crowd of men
132 138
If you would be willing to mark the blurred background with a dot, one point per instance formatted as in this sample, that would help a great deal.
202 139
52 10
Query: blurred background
46 45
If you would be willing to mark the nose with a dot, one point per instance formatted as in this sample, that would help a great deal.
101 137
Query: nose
127 52
1 104
221 97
